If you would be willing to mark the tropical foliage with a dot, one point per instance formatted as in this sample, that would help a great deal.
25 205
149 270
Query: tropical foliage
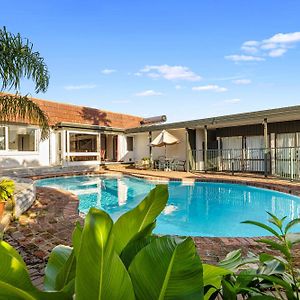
7 188
266 276
125 260
18 60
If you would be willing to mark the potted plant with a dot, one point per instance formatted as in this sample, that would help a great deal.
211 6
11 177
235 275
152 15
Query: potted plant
146 162
7 188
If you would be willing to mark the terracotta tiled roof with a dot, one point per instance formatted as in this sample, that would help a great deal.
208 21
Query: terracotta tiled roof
67 113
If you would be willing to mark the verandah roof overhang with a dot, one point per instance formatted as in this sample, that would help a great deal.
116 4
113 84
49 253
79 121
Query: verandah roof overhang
102 129
290 113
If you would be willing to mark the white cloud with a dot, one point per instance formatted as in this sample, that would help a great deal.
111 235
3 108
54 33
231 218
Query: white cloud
268 46
210 87
242 57
250 50
170 73
250 47
232 101
148 93
241 81
275 46
178 87
277 52
251 43
108 71
79 87
284 38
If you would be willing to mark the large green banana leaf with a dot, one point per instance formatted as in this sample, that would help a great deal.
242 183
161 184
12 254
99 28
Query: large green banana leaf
13 270
76 238
8 291
100 273
212 278
133 247
60 269
167 268
137 219
15 280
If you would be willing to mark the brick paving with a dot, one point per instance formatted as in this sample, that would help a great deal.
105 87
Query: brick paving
50 221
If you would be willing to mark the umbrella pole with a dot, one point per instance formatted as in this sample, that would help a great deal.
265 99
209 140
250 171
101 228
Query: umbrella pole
167 164
165 152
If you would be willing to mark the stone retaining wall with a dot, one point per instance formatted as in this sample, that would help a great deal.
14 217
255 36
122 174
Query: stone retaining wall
24 195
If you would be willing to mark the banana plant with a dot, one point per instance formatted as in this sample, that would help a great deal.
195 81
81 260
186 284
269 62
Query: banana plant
263 276
108 260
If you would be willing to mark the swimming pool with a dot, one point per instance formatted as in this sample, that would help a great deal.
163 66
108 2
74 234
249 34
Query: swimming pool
198 209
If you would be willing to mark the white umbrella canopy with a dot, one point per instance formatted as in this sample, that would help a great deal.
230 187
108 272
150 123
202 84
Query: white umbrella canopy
163 139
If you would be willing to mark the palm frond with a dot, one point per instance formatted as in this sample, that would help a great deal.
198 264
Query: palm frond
18 60
21 108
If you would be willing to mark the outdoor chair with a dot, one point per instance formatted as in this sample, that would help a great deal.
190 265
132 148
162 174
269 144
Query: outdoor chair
177 164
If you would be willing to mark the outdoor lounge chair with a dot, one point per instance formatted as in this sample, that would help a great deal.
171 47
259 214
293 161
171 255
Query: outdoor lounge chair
177 164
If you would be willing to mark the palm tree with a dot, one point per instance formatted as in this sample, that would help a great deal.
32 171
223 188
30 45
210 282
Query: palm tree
18 61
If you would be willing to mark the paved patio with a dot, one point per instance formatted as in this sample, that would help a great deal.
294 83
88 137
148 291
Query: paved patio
50 221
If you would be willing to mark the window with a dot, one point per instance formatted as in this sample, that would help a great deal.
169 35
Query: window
2 138
21 138
82 142
129 143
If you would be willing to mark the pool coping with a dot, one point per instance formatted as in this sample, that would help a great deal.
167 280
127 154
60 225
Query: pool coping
283 186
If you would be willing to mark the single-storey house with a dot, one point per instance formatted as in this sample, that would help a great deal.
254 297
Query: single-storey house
266 141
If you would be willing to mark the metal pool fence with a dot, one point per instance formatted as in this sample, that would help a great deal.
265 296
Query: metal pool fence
280 162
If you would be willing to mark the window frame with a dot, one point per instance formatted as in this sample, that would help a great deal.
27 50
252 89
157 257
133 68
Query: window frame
132 138
68 154
11 151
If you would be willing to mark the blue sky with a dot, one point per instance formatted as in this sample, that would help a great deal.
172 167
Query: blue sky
187 59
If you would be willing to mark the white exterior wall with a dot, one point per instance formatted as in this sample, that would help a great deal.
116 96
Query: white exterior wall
123 154
19 159
140 146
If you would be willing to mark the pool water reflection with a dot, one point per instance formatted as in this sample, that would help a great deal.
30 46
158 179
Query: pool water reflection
199 209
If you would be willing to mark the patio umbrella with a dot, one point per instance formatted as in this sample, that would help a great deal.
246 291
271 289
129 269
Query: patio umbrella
163 139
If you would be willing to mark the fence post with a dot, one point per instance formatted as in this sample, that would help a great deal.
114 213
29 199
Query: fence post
291 164
266 142
219 153
231 162
205 148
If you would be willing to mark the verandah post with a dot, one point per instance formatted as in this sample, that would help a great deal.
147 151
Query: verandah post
205 148
188 149
266 146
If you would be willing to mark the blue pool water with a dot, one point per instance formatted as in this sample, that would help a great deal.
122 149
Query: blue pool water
199 209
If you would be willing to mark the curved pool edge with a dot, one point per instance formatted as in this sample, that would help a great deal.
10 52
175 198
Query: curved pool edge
70 210
278 185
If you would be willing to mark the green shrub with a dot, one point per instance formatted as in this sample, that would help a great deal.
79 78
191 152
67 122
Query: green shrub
7 188
263 276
